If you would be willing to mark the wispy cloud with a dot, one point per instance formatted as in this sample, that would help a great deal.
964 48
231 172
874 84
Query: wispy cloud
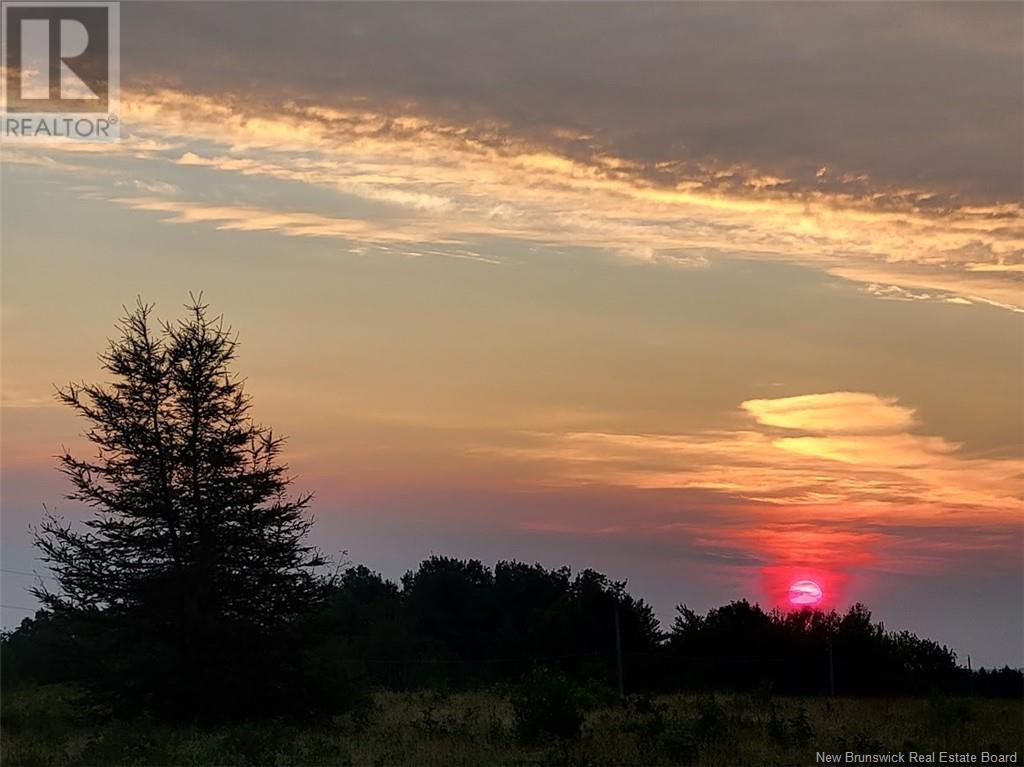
357 232
291 223
449 182
18 401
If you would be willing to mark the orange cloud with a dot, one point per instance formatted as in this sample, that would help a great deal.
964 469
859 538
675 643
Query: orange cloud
851 451
453 182
833 413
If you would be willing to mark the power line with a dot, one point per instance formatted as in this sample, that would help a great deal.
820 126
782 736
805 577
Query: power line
20 607
518 659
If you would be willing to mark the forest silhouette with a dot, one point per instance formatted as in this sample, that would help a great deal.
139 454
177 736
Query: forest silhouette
192 592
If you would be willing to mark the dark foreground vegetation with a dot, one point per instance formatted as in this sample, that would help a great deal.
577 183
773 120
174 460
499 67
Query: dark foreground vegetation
193 624
457 624
48 726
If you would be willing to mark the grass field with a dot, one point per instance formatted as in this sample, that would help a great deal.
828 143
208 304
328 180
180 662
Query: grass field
45 726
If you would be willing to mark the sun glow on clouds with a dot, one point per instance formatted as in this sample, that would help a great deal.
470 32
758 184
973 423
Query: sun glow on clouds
829 475
450 183
849 448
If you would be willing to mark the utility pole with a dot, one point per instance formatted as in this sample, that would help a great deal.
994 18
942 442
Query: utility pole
618 651
970 677
831 668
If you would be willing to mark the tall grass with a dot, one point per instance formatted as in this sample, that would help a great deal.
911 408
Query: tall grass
48 726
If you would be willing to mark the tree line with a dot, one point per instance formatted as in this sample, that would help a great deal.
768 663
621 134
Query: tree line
456 623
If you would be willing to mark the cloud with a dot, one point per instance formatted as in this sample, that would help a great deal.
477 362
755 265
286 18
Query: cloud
15 400
241 218
850 451
862 91
954 283
833 413
153 187
818 485
899 451
448 182
252 219
896 293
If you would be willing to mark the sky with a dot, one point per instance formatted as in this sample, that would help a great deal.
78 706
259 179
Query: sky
709 297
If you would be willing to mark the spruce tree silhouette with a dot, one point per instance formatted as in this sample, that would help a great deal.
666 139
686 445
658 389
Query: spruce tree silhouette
185 594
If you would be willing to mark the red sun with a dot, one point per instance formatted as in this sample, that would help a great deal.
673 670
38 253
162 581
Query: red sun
805 593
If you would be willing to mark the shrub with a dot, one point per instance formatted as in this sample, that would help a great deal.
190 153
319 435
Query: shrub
795 730
644 716
712 721
546 704
801 731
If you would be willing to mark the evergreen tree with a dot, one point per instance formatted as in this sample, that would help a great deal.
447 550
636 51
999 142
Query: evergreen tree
191 580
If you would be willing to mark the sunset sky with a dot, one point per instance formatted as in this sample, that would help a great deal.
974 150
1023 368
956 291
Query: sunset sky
711 297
